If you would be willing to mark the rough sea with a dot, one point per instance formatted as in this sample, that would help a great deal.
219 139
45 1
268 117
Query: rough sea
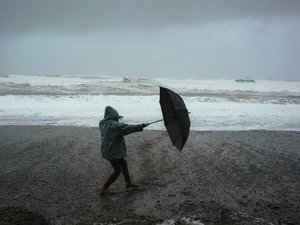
79 100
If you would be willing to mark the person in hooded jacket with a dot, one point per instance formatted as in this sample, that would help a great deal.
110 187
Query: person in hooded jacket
113 146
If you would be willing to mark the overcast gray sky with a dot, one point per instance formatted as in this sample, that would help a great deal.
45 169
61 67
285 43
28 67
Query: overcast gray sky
178 38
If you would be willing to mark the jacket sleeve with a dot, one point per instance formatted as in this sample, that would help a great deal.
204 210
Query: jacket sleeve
125 129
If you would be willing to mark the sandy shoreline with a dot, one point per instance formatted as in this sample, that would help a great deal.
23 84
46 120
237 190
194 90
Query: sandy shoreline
232 177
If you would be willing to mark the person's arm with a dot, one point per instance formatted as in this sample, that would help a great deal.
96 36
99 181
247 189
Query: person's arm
125 129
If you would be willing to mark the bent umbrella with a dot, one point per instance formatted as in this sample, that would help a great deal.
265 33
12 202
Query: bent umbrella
176 117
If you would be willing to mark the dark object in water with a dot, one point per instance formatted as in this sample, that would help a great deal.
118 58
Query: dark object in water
126 80
245 81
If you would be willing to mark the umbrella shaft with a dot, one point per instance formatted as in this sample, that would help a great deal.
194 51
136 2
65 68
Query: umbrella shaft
156 121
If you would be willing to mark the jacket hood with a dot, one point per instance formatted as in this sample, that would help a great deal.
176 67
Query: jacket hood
111 114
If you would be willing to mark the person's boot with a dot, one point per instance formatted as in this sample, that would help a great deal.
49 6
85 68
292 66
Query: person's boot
104 191
131 185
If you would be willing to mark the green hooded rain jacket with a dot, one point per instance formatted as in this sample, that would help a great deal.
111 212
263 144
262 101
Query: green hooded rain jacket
112 134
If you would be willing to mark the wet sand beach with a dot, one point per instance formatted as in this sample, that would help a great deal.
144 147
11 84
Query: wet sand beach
51 175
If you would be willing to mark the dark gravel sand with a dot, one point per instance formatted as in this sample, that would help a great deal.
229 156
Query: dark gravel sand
50 175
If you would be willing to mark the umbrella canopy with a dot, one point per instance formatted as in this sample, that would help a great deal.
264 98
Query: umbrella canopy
176 117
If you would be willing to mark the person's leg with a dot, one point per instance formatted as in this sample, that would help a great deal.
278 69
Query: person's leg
117 170
125 172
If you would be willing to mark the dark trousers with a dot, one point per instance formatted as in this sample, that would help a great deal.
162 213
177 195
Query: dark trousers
119 165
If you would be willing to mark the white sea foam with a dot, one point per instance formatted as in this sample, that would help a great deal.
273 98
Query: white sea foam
214 104
77 85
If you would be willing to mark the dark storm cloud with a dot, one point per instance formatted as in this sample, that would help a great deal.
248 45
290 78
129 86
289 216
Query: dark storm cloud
73 16
199 38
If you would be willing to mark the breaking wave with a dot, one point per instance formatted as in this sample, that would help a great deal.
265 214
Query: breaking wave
275 92
215 104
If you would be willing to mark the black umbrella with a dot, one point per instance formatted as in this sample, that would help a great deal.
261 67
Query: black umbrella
176 117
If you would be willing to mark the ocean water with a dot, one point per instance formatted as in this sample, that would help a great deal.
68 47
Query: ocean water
214 104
